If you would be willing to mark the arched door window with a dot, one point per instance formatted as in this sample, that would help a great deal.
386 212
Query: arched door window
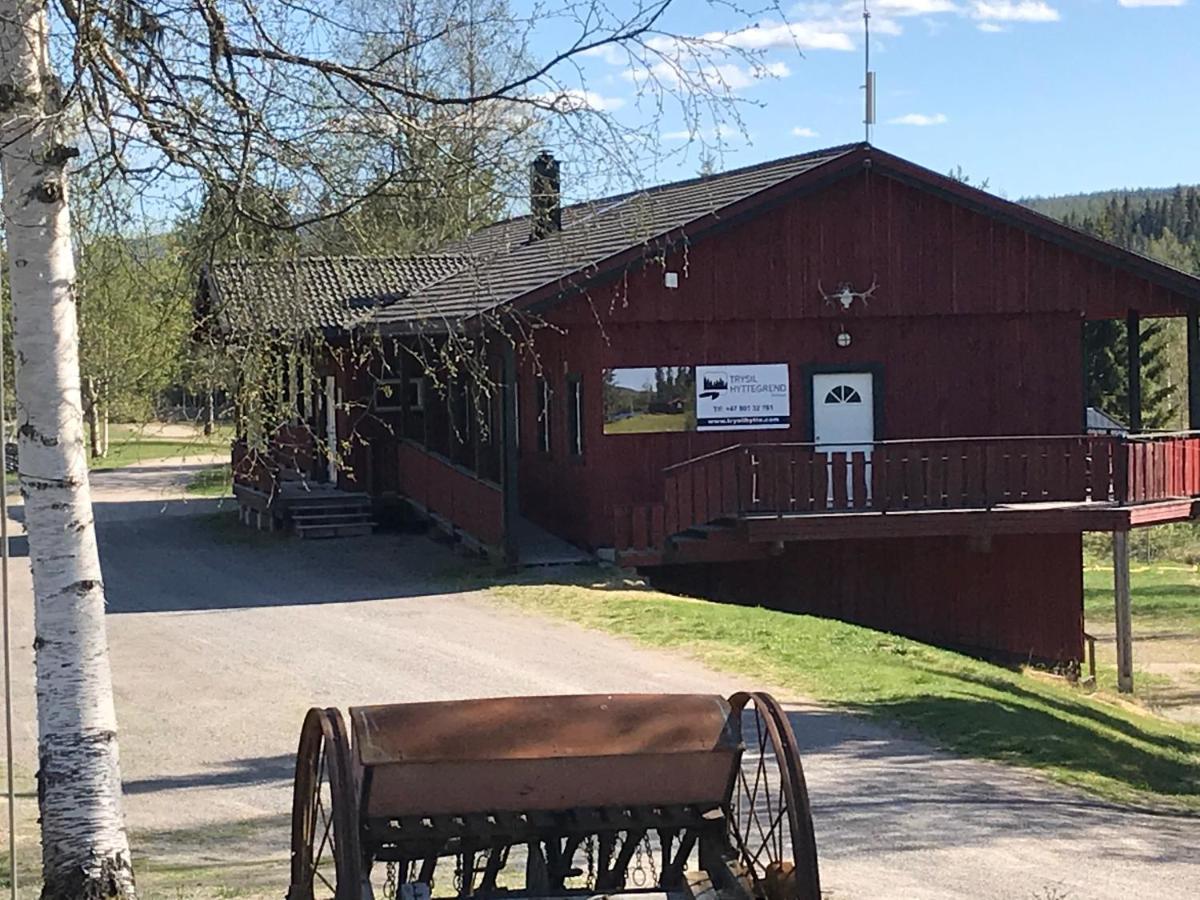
843 393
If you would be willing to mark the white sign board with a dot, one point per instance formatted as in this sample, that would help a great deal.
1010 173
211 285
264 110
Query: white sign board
742 398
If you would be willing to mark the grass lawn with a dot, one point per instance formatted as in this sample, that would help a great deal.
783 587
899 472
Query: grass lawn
133 443
1165 597
643 423
170 865
1091 740
214 481
1166 633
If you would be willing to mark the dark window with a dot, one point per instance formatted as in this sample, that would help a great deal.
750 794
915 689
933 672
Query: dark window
388 395
574 415
543 414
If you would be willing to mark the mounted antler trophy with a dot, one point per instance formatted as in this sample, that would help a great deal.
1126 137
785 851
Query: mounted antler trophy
846 295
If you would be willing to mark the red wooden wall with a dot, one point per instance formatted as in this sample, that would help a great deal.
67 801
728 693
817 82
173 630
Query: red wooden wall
939 377
456 495
1021 597
974 327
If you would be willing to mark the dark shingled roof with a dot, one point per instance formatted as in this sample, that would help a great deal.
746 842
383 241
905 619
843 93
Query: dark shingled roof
316 292
504 265
494 266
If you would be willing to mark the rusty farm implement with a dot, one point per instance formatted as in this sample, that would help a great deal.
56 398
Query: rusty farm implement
668 797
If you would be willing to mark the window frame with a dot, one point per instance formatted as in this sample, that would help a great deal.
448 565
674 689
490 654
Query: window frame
544 410
397 402
575 416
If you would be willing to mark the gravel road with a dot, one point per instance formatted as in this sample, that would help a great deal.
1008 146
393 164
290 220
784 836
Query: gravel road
221 638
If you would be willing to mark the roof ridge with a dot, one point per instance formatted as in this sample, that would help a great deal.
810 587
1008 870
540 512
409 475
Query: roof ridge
336 257
836 150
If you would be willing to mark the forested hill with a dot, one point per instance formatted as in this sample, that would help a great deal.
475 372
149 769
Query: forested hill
1163 223
1159 222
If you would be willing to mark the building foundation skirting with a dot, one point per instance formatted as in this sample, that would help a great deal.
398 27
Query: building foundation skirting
1014 598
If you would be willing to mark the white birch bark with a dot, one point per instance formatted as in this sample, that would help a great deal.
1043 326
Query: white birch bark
85 852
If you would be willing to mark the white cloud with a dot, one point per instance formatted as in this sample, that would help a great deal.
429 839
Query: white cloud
804 132
1134 4
1014 11
990 27
610 53
920 119
770 35
706 135
721 77
913 7
574 100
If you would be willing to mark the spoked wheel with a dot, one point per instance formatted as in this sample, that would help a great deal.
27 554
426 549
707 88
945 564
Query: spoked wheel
326 854
770 821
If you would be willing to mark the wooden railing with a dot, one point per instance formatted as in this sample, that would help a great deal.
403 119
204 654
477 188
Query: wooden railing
291 447
1161 467
890 476
252 469
455 494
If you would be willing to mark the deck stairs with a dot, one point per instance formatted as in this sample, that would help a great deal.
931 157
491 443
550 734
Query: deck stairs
318 510
718 530
715 541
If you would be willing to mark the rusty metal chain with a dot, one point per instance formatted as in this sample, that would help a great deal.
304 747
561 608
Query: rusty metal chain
650 856
638 873
391 890
590 847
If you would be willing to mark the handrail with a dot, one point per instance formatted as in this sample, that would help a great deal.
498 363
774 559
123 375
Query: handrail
915 474
892 442
704 456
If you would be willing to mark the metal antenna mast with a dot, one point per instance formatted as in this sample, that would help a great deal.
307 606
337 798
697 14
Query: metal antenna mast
5 614
869 76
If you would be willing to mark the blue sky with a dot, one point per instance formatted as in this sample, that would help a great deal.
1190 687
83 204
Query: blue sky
1037 96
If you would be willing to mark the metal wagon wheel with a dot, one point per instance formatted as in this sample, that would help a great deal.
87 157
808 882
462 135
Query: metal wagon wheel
770 820
325 813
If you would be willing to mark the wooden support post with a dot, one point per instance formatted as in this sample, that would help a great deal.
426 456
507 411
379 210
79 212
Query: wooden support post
1193 365
1123 612
1133 340
508 432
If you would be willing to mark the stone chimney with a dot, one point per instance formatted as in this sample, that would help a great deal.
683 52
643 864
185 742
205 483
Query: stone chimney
545 202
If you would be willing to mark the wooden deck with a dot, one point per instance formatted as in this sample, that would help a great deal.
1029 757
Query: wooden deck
730 502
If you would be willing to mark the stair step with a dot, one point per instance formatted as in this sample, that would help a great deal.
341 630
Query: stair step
317 494
325 497
357 529
323 507
323 516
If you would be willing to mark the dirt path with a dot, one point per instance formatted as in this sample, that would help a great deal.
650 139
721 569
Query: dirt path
222 637
1170 655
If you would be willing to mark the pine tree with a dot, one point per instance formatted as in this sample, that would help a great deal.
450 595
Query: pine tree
1153 225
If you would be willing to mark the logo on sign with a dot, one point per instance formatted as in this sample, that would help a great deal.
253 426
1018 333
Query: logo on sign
711 386
749 397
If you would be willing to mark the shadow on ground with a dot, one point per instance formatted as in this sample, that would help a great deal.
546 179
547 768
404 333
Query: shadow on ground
254 771
176 556
898 793
1016 724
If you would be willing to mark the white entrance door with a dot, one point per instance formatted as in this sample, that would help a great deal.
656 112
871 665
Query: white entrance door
844 420
331 435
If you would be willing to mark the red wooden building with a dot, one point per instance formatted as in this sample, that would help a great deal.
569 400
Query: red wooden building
836 383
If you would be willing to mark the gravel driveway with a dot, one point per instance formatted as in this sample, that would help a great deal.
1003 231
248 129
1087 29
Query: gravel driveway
221 638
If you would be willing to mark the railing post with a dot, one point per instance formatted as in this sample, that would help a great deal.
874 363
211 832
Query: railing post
1123 611
1133 343
1121 467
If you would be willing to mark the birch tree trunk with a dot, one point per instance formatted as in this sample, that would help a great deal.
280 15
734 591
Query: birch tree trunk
85 852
